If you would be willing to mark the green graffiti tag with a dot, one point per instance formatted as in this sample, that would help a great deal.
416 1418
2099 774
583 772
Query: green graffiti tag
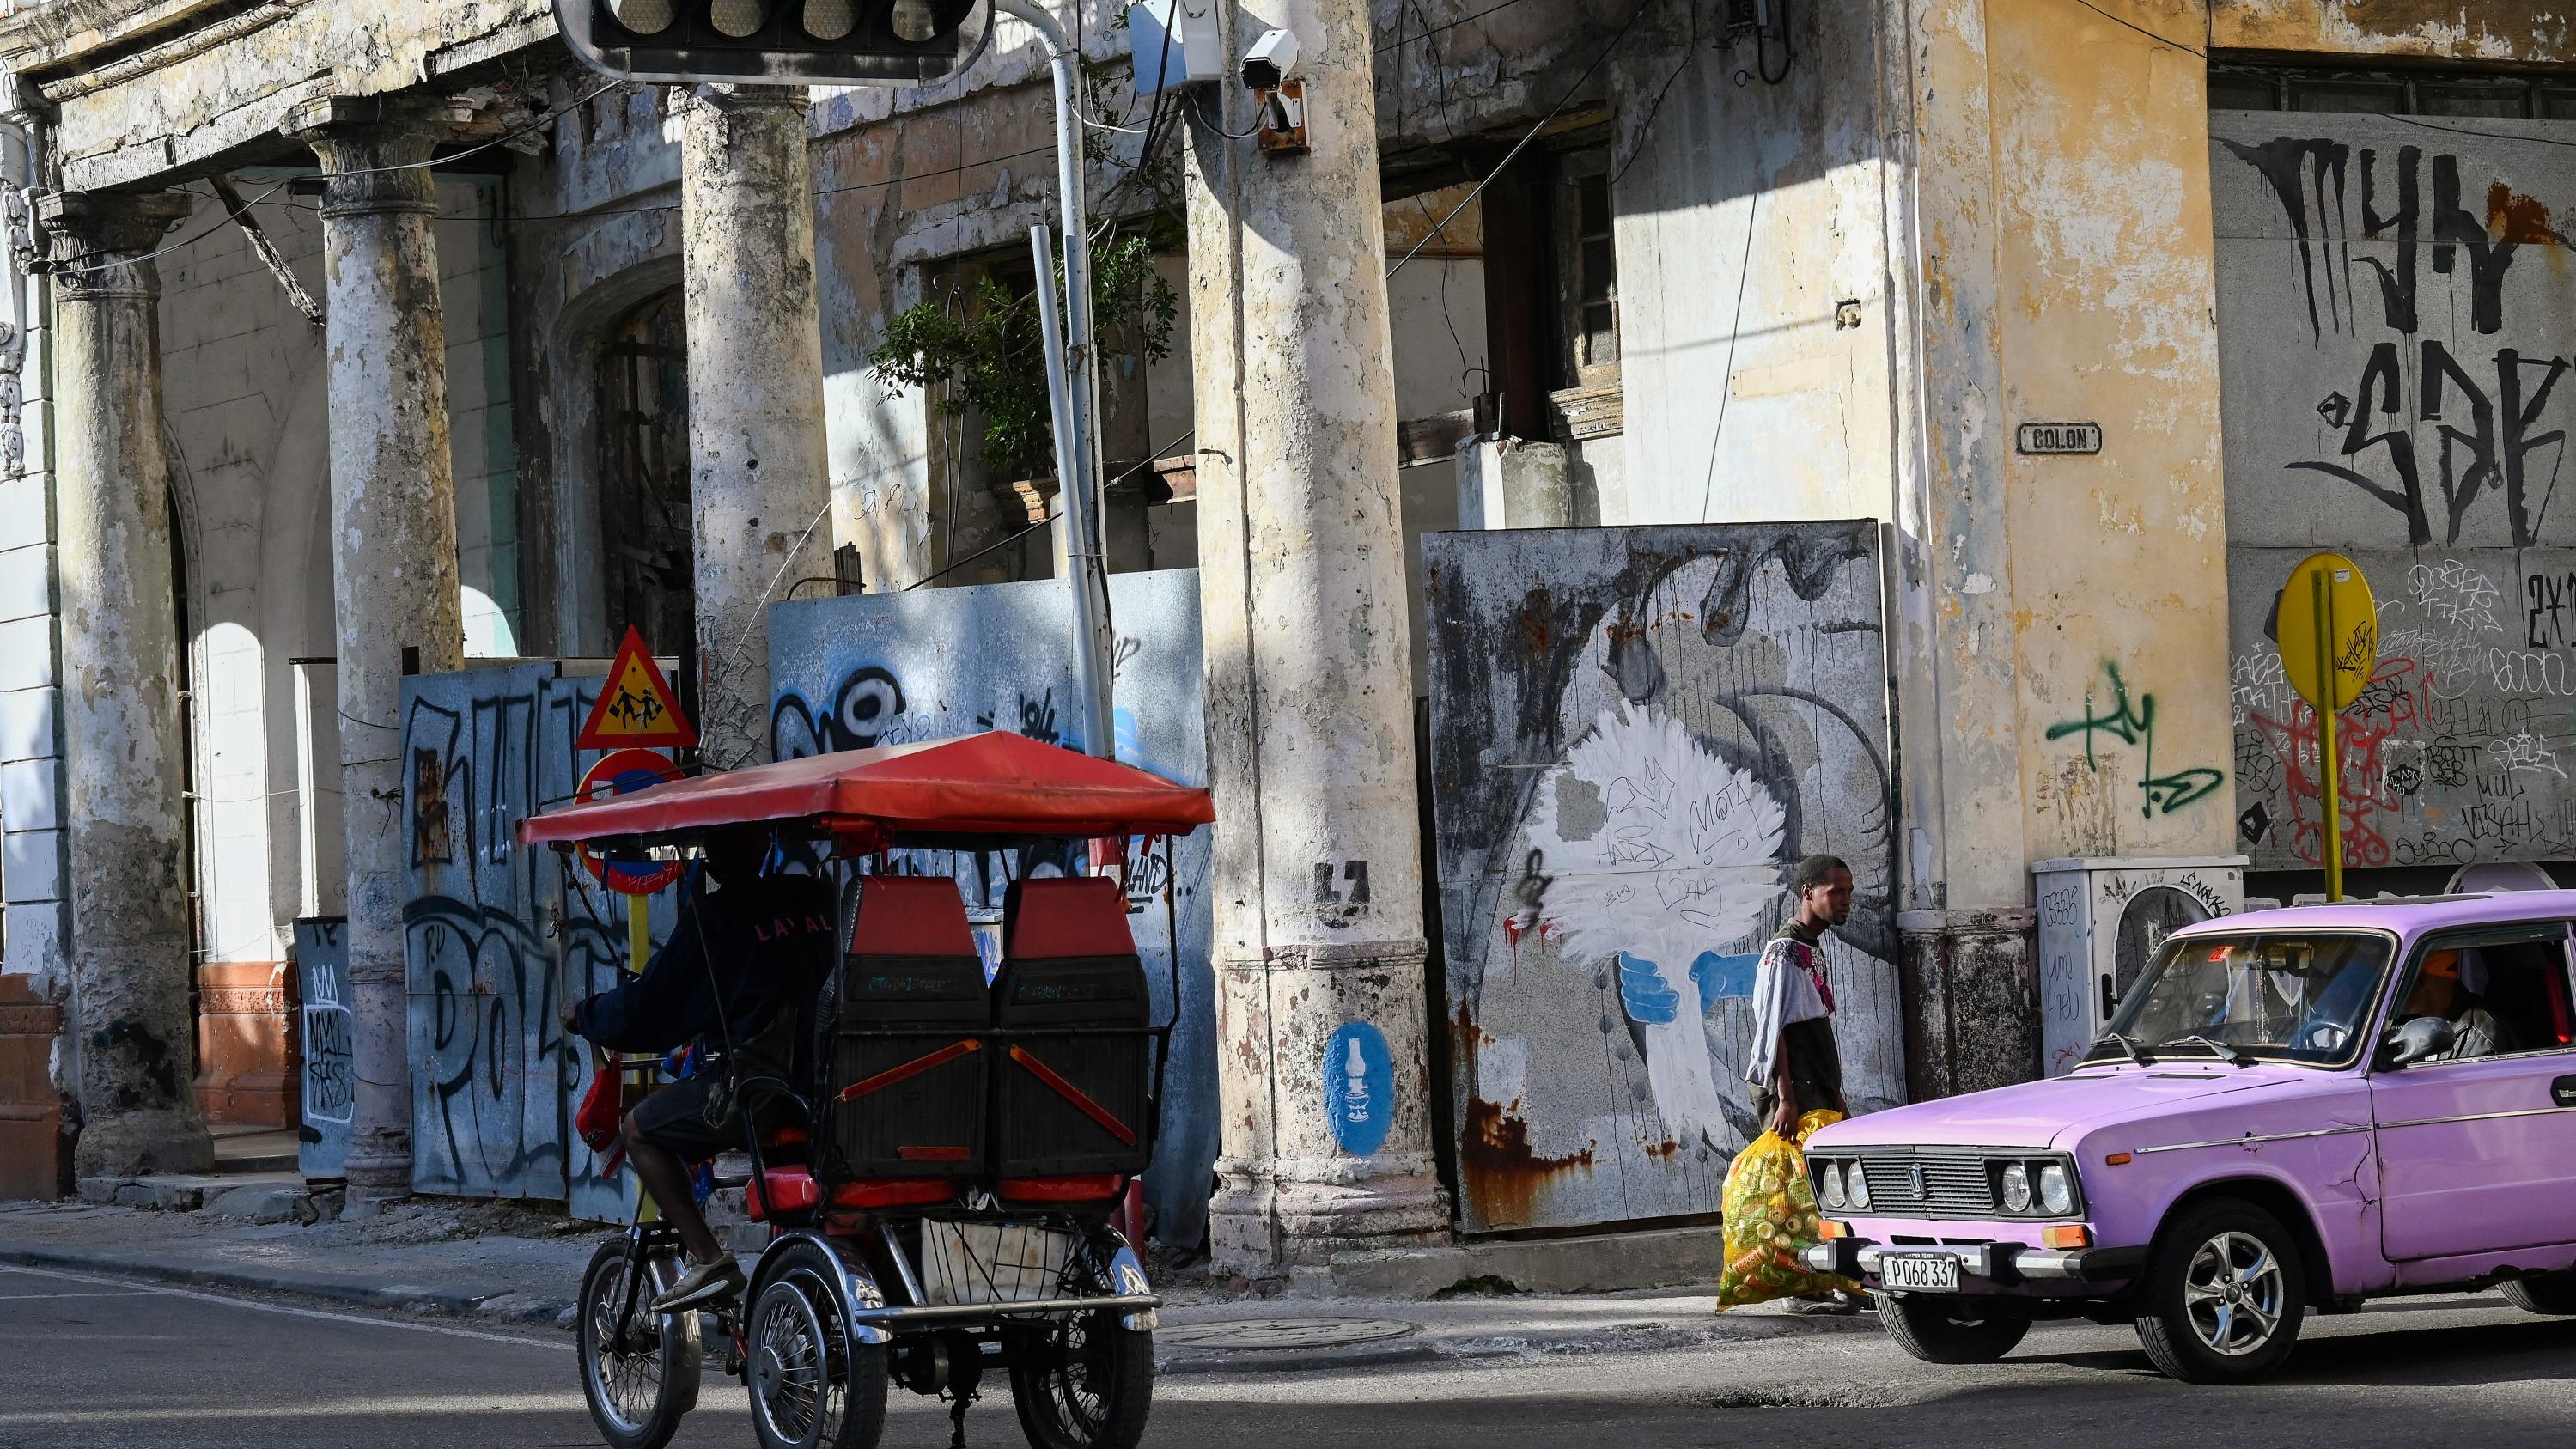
2133 722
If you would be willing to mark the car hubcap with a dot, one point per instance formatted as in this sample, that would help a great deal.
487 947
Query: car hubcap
2232 1292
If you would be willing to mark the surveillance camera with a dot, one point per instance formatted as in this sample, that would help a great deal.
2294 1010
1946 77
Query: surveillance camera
1270 60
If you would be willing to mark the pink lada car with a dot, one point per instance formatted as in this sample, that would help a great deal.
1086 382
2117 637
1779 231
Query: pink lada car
2293 1110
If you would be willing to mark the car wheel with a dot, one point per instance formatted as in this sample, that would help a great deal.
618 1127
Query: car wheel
2550 1293
2223 1295
1950 1330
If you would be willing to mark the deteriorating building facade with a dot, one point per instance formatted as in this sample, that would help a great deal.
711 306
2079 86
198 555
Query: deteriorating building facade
1962 378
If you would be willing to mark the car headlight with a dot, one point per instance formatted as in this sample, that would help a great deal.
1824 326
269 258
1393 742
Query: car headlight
2016 1188
1829 1184
2056 1188
1858 1185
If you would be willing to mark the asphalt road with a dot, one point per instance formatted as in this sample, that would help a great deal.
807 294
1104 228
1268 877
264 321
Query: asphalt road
93 1362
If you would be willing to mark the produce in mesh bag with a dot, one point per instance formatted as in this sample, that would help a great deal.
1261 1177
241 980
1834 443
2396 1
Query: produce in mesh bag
1770 1213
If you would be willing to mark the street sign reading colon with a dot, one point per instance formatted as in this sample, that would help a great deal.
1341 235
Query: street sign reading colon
637 708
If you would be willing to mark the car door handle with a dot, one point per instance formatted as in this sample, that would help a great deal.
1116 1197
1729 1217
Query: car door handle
2563 1091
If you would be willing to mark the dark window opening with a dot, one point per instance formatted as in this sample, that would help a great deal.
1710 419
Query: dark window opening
2241 87
644 498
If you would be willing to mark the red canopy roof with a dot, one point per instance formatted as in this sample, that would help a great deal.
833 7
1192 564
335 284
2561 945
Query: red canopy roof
994 783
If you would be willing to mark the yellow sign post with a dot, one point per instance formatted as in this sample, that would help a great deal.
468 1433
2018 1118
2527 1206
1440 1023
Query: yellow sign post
2328 630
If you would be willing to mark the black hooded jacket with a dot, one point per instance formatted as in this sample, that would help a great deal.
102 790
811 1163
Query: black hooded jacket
771 940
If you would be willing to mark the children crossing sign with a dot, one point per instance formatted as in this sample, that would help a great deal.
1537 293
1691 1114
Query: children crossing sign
637 708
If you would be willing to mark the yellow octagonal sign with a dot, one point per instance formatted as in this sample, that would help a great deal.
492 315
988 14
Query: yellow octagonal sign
2328 629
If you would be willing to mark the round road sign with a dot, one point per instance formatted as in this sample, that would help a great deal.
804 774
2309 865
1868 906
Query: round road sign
623 772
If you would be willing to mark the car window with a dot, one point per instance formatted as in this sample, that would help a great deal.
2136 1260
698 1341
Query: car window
2296 996
2501 996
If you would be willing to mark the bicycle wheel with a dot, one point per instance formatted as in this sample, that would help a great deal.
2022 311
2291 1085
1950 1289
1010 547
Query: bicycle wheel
639 1369
813 1385
1082 1381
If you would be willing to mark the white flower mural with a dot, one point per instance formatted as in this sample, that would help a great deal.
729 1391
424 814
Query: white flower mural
1661 854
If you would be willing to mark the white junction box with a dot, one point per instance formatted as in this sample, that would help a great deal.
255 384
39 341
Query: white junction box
2100 922
1175 44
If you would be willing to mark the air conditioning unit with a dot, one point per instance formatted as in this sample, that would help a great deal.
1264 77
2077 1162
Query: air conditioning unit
2100 922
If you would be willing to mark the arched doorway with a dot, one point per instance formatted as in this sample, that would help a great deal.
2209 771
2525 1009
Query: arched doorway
644 514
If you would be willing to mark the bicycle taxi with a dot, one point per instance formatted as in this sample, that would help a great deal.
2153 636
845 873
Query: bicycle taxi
941 1196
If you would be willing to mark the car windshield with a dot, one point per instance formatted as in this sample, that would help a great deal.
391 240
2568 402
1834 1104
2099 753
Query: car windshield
2295 996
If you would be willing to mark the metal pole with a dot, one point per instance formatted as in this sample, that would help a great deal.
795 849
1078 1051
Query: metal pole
1072 390
2330 792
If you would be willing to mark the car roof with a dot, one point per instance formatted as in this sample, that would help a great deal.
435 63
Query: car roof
2403 914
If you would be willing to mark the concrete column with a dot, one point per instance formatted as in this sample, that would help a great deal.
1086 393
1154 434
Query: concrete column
1319 919
120 701
759 476
393 525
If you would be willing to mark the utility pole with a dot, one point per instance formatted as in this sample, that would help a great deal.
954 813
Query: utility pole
1323 1050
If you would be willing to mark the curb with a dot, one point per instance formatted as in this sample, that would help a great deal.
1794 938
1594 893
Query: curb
524 1308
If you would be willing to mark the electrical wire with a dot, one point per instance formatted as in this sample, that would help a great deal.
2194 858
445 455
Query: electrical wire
1468 19
1734 333
1198 107
2465 131
1645 128
2133 25
1514 154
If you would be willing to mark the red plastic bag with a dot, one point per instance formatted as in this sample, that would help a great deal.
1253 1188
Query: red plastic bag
597 1120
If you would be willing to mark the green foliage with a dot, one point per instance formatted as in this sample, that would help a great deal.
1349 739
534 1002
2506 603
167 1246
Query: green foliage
987 357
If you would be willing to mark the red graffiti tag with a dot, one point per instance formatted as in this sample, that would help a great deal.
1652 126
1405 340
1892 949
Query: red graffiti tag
2397 698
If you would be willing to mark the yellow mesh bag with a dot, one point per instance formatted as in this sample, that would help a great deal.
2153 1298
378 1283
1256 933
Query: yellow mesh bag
1770 1214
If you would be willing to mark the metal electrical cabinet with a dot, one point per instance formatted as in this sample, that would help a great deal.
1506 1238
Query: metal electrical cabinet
2100 922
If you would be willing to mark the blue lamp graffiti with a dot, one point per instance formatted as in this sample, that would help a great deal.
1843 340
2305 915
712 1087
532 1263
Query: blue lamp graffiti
1359 1087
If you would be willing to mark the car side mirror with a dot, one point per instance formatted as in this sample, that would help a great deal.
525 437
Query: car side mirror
2417 1040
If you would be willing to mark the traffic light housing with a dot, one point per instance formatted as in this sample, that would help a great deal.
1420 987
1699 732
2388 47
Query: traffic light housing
787 42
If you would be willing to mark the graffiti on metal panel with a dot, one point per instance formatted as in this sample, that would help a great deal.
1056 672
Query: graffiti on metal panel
497 937
1627 758
2133 722
876 670
329 1045
2416 364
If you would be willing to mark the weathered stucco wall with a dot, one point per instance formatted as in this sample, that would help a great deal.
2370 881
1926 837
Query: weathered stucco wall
198 105
2495 31
1752 277
2119 582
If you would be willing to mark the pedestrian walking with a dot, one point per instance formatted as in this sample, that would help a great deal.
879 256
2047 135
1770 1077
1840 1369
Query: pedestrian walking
1795 1072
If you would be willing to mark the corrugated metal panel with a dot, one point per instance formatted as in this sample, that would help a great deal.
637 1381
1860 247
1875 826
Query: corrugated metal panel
1635 733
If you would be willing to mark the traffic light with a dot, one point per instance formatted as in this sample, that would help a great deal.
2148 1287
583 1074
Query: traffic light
791 42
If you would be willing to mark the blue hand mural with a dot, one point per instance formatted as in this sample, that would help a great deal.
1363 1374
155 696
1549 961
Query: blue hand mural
1724 978
1642 989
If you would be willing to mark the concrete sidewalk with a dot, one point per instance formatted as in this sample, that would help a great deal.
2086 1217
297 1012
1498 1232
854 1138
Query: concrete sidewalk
507 1263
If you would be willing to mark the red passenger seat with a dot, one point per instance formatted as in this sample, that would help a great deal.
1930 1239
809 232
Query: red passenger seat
909 1068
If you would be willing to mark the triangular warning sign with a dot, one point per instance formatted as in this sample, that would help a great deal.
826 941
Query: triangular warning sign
637 707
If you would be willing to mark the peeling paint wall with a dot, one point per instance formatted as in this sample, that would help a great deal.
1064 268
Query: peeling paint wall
2494 31
204 104
1752 278
2118 587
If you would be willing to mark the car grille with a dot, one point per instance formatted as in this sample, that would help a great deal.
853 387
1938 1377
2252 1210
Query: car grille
1947 1184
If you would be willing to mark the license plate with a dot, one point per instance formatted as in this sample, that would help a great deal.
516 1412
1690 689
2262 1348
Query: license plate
1919 1272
